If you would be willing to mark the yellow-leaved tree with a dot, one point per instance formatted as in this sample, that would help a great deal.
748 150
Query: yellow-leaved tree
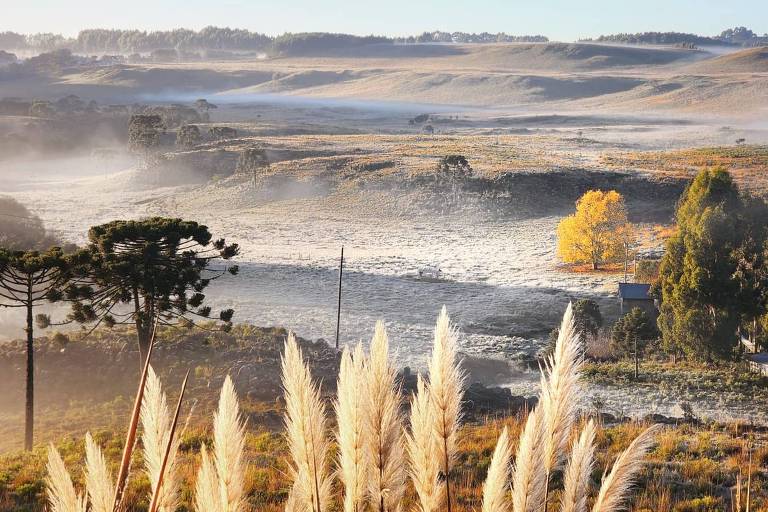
598 232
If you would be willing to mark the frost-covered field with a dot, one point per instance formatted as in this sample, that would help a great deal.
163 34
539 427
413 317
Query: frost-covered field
502 283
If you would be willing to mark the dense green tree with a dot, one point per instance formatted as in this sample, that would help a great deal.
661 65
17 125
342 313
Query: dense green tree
587 317
702 297
751 273
28 280
633 331
152 270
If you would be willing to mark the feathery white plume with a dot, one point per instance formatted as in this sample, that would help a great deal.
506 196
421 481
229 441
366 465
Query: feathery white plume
98 480
615 488
156 422
62 496
559 392
207 485
528 481
305 424
228 449
446 383
496 484
579 471
385 452
350 411
421 442
221 477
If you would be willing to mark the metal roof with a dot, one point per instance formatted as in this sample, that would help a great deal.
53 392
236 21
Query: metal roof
760 358
636 291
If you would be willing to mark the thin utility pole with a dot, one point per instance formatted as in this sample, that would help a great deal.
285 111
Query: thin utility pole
626 259
338 309
637 360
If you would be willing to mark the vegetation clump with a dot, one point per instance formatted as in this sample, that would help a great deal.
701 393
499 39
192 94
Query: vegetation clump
598 232
713 272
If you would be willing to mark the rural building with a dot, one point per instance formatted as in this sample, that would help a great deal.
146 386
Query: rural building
637 295
758 363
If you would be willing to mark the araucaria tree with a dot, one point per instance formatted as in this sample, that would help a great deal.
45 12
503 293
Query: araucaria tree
158 268
29 279
712 275
598 232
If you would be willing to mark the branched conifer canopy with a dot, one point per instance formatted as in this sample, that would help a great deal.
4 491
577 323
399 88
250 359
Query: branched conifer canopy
30 279
158 267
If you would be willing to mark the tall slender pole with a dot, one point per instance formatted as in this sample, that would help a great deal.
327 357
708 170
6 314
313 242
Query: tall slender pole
626 259
338 308
637 361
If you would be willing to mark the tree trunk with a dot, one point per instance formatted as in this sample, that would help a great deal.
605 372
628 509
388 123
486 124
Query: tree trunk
594 265
143 342
30 399
141 329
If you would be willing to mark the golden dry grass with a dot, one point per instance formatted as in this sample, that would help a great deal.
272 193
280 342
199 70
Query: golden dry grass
747 163
689 465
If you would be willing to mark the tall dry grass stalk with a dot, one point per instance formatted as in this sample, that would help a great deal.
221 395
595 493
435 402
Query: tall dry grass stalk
130 436
98 481
749 481
559 396
421 443
349 407
614 491
156 423
221 477
446 383
305 424
579 471
384 440
62 496
101 493
169 450
496 486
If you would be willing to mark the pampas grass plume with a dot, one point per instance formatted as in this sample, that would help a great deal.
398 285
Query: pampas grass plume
496 484
424 468
349 407
615 489
579 471
385 452
98 480
62 496
305 424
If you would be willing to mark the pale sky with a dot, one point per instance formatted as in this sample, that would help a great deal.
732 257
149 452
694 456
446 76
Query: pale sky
563 20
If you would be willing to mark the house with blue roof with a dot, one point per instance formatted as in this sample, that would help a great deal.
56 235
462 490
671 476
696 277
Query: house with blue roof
637 295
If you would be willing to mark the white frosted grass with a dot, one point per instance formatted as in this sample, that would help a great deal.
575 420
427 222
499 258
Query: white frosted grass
503 273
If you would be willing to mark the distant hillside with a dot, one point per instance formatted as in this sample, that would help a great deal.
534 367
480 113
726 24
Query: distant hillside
753 60
739 36
227 39
574 56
